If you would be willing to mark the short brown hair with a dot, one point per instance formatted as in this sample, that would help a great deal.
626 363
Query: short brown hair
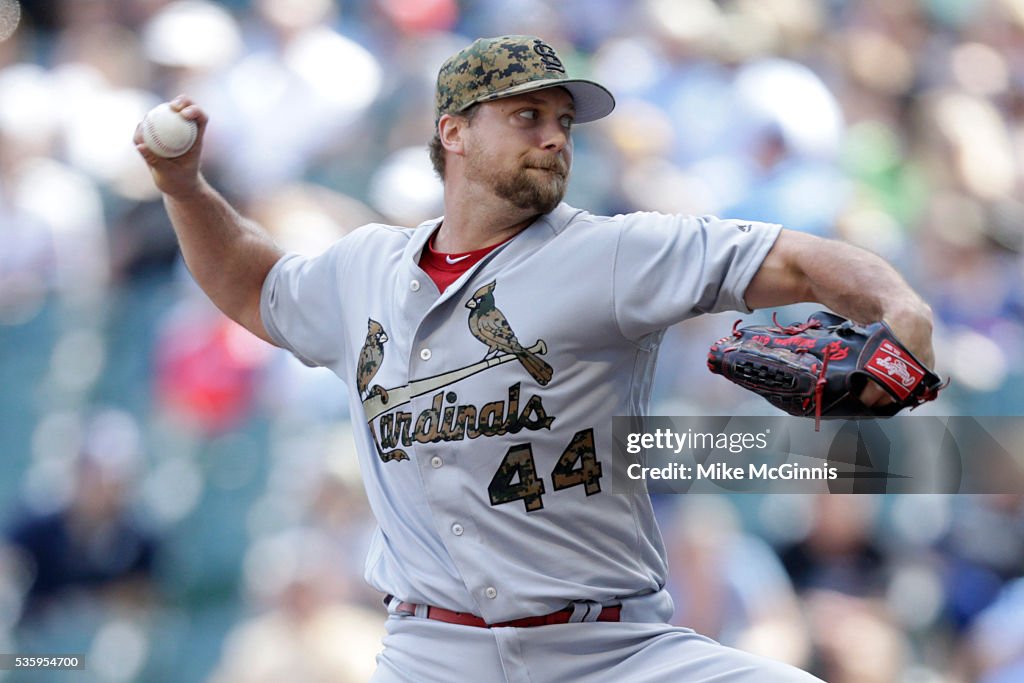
436 149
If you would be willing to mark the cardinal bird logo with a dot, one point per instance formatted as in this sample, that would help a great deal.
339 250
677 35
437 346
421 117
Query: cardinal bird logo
370 358
489 325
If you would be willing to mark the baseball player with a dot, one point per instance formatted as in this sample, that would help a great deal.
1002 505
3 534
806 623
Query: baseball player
486 352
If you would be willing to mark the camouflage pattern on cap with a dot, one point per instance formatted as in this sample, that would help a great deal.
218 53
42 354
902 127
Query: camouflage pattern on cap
491 68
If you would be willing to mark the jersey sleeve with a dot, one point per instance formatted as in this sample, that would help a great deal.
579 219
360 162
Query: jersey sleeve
668 268
300 305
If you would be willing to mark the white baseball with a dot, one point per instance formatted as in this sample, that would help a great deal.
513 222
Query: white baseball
167 133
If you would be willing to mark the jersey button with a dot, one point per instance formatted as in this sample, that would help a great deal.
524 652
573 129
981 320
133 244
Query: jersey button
491 592
414 285
436 461
425 354
457 529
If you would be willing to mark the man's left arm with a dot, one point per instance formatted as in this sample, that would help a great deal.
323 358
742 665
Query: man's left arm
849 280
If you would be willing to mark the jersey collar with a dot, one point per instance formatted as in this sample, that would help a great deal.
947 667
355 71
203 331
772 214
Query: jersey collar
555 221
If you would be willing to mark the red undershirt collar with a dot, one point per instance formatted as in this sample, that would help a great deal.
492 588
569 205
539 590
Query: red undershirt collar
444 268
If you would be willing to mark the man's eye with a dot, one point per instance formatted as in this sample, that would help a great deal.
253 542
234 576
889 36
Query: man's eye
529 114
567 121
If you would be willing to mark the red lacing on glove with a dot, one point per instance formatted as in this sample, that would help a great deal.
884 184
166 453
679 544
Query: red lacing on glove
932 393
819 385
812 324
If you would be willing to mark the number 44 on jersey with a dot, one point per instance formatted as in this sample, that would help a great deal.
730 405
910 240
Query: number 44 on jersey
516 478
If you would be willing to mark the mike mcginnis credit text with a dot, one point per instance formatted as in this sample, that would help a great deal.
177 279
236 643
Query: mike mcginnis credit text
722 472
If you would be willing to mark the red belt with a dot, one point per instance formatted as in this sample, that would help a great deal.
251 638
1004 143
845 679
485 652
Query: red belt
562 616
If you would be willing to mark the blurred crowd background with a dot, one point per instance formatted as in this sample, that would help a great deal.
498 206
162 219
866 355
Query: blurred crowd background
181 502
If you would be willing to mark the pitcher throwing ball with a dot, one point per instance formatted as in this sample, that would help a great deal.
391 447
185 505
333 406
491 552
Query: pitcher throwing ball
486 352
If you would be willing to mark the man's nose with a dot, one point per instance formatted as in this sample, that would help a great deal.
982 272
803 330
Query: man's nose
556 137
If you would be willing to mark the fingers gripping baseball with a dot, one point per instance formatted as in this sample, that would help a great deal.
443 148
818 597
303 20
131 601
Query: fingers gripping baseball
173 175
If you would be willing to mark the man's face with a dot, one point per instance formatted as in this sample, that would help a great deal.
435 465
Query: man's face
520 147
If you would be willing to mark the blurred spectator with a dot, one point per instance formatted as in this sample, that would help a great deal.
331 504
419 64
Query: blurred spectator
981 552
839 553
94 547
206 367
82 556
729 585
301 74
49 246
841 574
305 630
997 638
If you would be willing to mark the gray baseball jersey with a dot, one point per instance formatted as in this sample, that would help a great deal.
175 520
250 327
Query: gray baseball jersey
484 413
485 435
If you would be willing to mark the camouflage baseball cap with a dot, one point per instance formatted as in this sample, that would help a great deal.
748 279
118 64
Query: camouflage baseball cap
492 68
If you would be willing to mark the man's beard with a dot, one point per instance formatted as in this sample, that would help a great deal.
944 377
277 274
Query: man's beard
525 188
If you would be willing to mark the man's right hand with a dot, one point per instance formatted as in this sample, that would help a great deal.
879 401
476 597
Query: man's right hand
177 177
227 255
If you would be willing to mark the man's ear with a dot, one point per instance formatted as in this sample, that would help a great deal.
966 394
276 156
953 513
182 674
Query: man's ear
452 129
